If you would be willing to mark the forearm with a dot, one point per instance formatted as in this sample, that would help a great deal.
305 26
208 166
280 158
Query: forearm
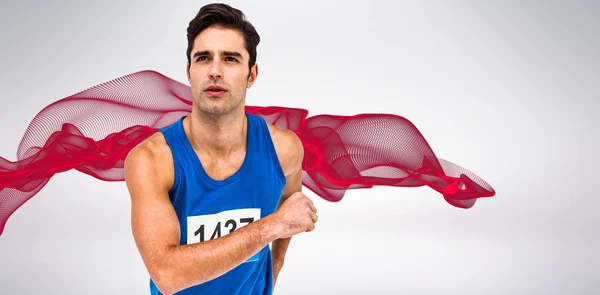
278 254
188 265
280 247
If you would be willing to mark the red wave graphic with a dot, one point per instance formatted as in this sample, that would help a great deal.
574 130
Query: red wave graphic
92 132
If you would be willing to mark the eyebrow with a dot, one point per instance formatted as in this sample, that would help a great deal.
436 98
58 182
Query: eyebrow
225 53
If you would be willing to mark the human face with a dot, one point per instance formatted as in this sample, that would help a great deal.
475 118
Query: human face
218 71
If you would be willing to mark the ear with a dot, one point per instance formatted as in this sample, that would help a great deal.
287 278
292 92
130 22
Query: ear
252 76
187 71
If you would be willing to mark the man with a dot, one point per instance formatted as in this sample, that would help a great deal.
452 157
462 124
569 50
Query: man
210 192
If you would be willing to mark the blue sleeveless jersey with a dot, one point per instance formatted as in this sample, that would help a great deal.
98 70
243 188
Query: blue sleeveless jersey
208 209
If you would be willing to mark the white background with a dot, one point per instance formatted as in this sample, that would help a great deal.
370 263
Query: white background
508 90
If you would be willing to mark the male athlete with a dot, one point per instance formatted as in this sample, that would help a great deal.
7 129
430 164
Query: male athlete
210 192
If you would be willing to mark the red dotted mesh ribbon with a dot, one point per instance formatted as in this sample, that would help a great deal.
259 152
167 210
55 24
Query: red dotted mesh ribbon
92 132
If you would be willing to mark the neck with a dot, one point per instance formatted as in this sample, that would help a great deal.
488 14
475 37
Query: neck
217 135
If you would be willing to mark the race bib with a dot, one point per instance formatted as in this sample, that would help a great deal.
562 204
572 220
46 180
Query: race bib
202 228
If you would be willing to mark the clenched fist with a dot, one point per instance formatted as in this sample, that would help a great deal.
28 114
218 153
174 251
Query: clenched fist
297 214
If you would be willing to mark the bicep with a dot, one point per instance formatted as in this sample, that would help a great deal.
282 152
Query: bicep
154 222
294 158
293 183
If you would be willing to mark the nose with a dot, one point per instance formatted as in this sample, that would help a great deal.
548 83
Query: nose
216 71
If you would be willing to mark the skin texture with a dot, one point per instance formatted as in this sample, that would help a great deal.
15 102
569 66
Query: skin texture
217 130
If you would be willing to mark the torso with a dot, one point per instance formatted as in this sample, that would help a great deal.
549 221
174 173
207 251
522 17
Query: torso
214 196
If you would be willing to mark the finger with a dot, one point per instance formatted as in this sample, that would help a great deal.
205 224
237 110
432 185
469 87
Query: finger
313 208
311 205
314 217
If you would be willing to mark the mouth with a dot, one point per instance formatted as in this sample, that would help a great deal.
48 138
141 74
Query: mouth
215 90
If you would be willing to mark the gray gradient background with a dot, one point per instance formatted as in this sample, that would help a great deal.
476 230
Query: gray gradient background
506 89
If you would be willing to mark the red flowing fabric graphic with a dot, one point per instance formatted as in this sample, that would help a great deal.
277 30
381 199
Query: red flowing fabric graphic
92 132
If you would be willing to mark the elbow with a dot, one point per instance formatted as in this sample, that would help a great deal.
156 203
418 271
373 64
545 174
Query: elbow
170 277
170 280
164 279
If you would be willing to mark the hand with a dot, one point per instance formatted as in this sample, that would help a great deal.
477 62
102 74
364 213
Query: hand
297 214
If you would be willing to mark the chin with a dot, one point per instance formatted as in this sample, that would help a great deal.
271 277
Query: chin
215 109
216 106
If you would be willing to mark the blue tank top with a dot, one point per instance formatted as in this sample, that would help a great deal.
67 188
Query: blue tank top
208 208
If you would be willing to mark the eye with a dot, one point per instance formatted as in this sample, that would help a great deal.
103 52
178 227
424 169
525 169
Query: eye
202 58
233 59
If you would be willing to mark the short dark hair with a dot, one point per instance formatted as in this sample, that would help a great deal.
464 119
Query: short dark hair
223 16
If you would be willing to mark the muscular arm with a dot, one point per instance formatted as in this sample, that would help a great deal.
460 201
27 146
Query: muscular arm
155 227
280 246
291 153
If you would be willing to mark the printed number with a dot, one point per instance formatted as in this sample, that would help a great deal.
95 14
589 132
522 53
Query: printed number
201 228
231 224
200 232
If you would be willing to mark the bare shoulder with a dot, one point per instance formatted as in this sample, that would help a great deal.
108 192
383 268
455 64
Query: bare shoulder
150 161
288 147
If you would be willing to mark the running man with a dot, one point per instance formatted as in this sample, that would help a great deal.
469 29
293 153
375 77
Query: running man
212 191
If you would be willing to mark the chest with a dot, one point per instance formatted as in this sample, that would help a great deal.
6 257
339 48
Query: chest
207 211
220 168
